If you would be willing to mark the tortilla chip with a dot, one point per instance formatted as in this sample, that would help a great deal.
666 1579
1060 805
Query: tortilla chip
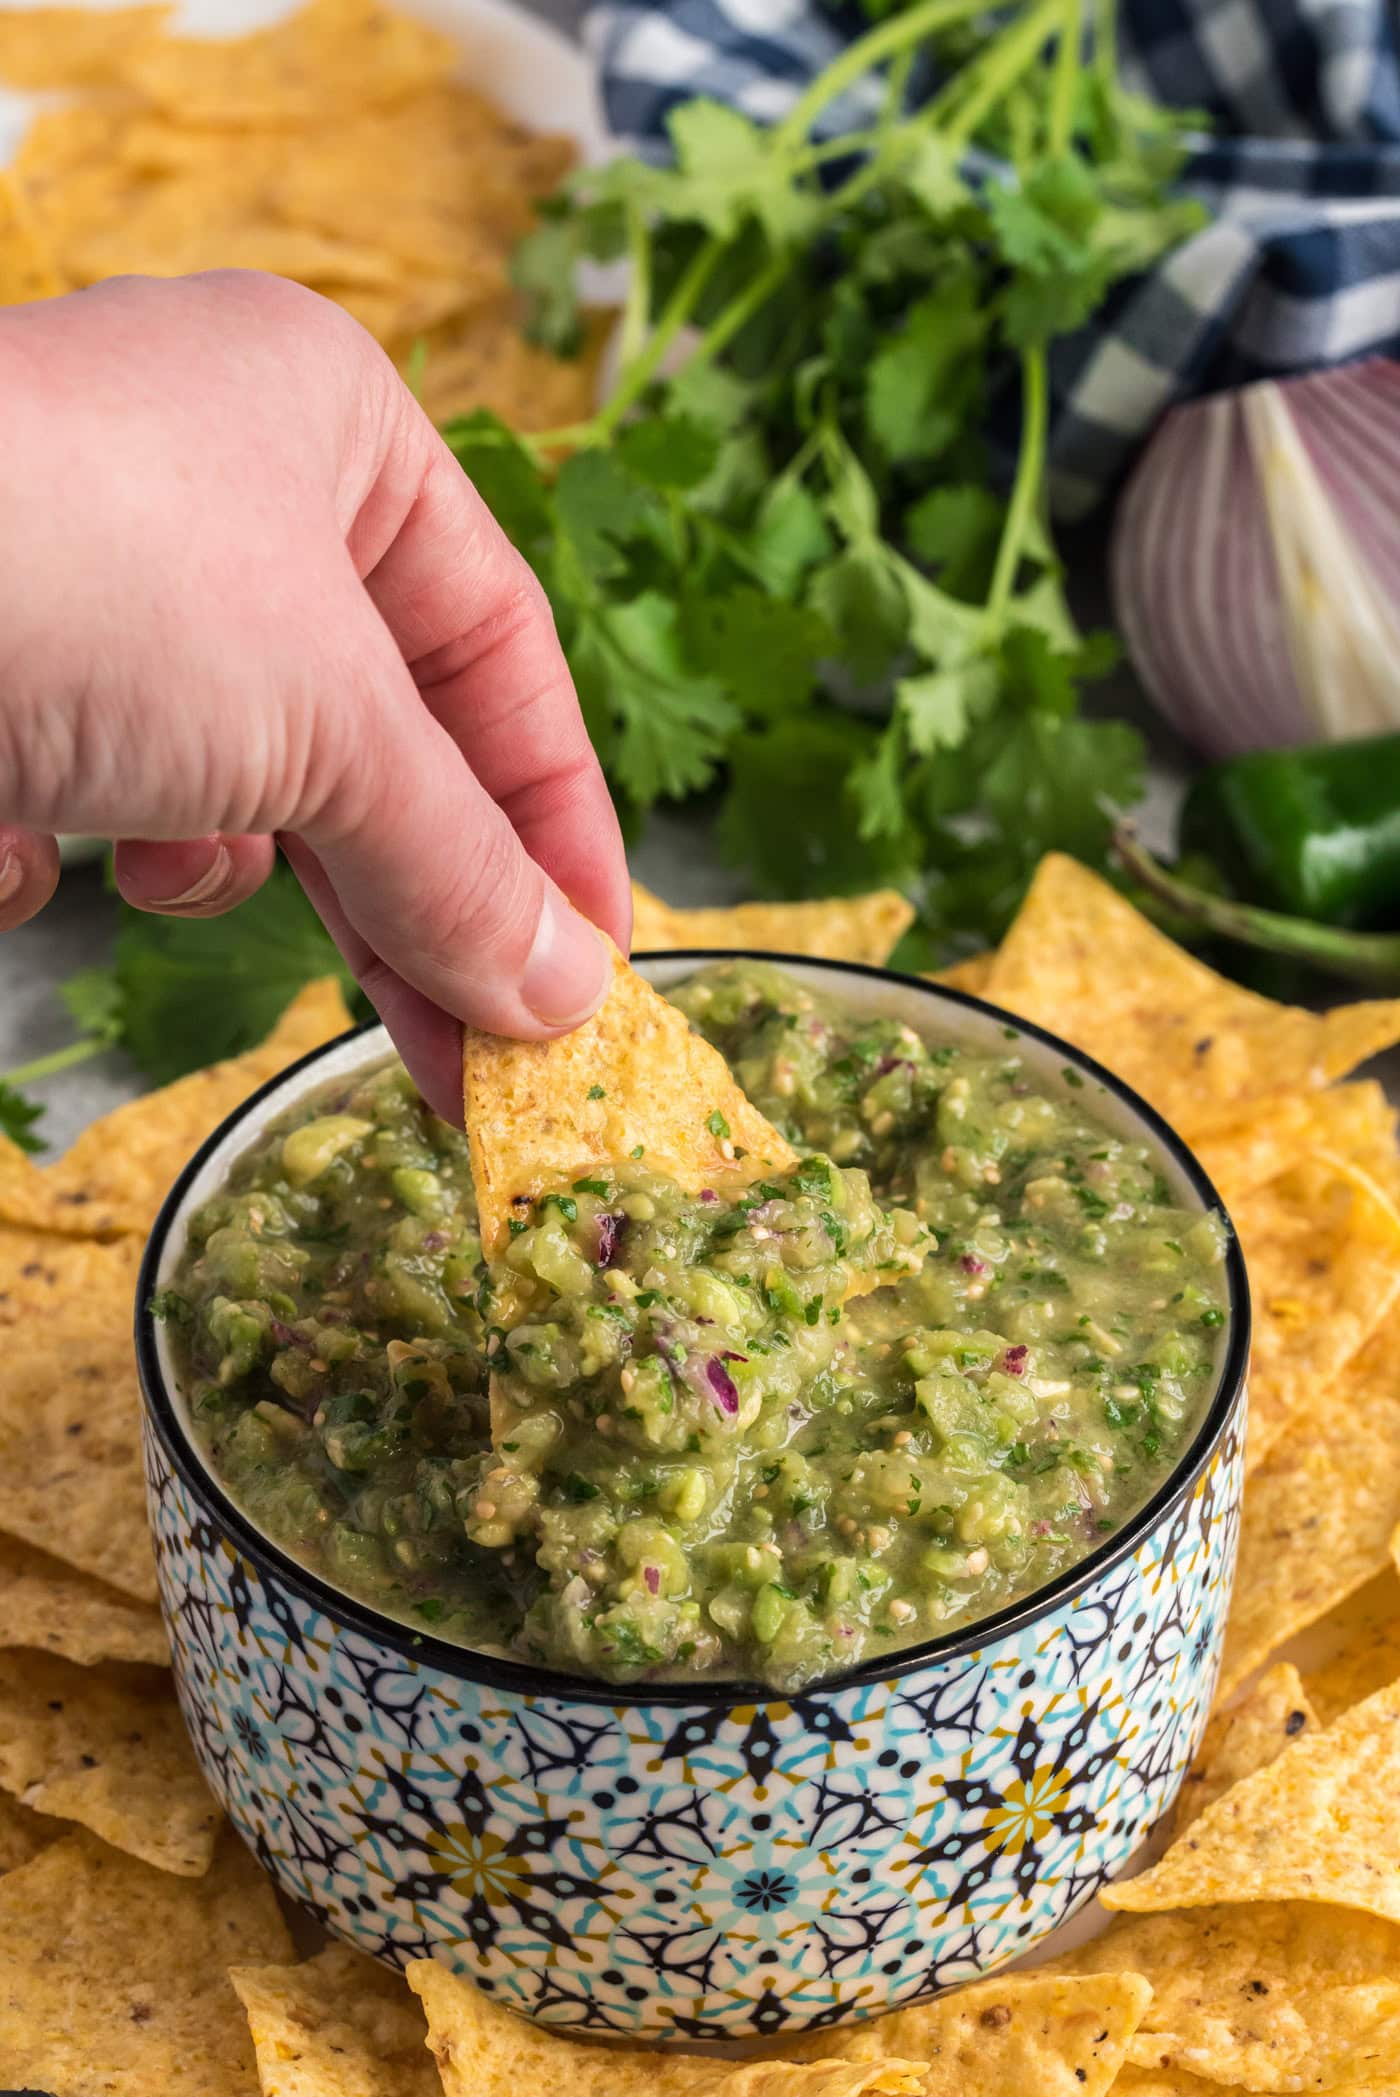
174 229
71 46
1322 1246
51 1281
106 1745
23 1834
845 928
341 2025
50 1607
972 975
1320 1510
118 1172
443 181
1360 1640
113 1977
632 1081
483 2050
481 359
1245 1737
1357 1122
328 59
27 268
1081 961
413 306
1261 1147
71 1476
1319 1823
1269 1995
1057 2035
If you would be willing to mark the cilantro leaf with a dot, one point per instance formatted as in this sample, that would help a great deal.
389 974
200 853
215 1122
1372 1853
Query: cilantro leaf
921 387
791 817
18 1119
727 169
669 451
194 990
763 652
671 719
94 1000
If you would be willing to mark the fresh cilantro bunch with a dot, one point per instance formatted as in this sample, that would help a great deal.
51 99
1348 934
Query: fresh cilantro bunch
775 555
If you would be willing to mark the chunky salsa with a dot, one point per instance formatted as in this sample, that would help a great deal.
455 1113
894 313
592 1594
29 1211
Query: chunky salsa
760 1434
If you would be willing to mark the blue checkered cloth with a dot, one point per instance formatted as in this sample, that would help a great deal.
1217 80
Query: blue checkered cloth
1300 266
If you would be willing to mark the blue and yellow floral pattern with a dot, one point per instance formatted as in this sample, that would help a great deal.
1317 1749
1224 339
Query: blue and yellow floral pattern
700 1869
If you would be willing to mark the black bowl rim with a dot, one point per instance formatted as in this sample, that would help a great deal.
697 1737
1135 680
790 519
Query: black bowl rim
522 1678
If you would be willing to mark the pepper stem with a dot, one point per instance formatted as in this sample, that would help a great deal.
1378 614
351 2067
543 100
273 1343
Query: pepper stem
1371 958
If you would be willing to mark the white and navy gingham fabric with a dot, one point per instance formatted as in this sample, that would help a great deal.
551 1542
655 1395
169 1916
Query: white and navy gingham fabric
1299 267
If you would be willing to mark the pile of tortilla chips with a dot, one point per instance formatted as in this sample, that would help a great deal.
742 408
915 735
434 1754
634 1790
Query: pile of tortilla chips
336 147
140 1949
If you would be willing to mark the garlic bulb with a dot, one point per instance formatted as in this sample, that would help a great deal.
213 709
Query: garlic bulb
1256 561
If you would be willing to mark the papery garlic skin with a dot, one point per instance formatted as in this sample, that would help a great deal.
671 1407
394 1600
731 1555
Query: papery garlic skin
1256 562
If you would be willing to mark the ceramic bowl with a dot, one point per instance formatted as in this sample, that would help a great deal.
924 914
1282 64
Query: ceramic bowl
708 1861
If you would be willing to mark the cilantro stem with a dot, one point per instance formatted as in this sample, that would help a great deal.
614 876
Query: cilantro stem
1026 486
861 57
633 382
1064 81
1106 43
637 308
995 71
80 1051
737 313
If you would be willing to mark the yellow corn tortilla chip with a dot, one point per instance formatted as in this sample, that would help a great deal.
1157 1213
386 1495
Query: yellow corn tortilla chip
339 2025
1318 1823
23 1834
1357 1122
844 928
483 2050
1082 961
1322 1246
1245 1737
106 1746
52 1281
972 975
174 229
71 46
480 359
443 181
329 58
632 1081
1357 1646
27 268
1260 1147
1269 1995
52 1608
1320 1510
118 1172
71 1477
114 1977
414 305
1059 2035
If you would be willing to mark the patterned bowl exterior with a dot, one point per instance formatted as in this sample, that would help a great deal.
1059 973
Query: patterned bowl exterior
685 1860
650 1867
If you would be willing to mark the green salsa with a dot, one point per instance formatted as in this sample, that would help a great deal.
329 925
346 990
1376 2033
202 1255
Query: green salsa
763 1433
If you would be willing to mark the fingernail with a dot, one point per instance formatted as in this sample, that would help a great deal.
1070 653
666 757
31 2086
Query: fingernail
567 972
11 875
211 883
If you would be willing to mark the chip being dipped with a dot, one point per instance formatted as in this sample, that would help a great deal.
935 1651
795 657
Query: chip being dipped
632 1083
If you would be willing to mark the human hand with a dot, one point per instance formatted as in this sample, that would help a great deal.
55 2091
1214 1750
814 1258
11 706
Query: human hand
246 593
